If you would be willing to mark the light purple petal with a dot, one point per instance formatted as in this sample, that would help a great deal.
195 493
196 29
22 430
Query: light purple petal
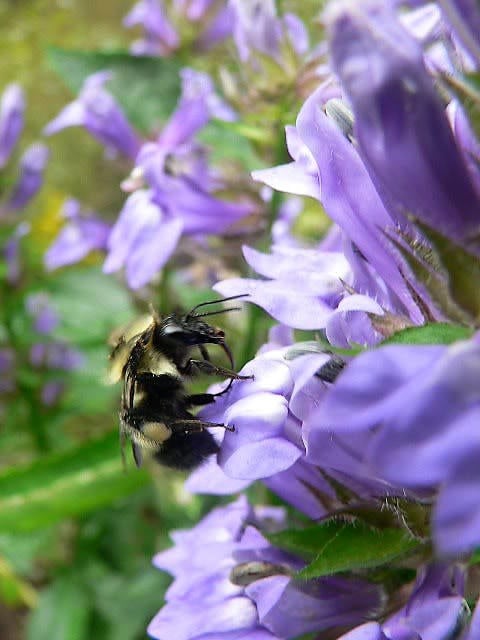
30 180
292 308
456 519
184 621
12 108
211 479
348 195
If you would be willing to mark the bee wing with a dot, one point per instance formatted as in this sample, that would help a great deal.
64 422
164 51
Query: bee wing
122 342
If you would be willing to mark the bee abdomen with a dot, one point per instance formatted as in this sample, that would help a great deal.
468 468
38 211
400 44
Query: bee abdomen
186 451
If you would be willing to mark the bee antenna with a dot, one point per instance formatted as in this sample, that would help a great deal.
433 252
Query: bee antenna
204 304
214 313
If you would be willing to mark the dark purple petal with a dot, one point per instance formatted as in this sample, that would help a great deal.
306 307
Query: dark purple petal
300 486
290 608
12 108
32 167
401 127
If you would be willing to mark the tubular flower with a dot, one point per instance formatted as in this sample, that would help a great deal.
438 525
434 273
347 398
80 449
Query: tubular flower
408 415
97 110
12 108
198 23
230 582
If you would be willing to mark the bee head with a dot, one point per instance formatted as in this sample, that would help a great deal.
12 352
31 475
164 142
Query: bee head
190 331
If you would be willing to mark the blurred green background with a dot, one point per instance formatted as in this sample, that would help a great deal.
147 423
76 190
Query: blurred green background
87 576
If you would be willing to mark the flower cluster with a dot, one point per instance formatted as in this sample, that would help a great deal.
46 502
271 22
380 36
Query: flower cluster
343 427
365 428
231 582
173 188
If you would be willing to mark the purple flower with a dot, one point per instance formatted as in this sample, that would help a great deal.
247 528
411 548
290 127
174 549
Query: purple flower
258 29
231 583
31 170
45 317
160 35
306 289
402 131
97 111
55 355
436 610
142 240
81 235
12 108
7 377
334 173
51 392
408 415
164 28
11 253
180 198
464 17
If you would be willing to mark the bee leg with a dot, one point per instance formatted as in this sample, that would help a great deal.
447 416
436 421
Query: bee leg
203 350
204 366
195 425
200 399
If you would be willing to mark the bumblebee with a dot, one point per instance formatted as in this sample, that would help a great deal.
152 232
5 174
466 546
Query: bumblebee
153 358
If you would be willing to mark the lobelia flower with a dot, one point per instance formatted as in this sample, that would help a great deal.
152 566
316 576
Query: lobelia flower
7 375
97 110
408 415
435 610
269 414
180 197
258 29
45 317
160 35
230 582
31 170
82 234
11 253
464 16
12 108
403 134
166 29
50 354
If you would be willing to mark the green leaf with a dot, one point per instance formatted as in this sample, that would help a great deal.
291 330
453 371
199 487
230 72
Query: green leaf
146 88
434 333
63 613
463 269
73 483
90 305
340 546
228 142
